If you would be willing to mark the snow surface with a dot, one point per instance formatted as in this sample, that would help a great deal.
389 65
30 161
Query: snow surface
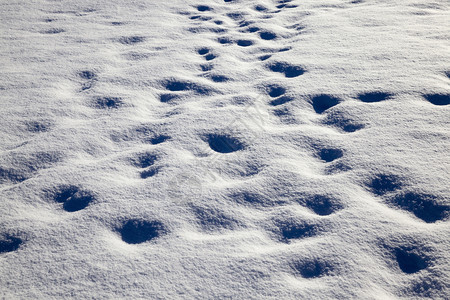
225 149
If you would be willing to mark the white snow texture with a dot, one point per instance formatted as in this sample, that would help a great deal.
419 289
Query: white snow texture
260 149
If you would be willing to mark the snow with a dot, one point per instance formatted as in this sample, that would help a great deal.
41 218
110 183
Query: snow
225 149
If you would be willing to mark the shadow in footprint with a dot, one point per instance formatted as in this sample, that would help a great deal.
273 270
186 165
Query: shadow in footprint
371 97
382 184
423 206
438 99
54 31
289 231
224 40
323 205
178 85
87 75
275 90
244 43
36 126
159 139
203 8
288 70
313 268
137 231
131 40
145 160
73 198
223 143
330 154
203 51
342 122
149 173
321 103
9 243
108 102
409 260
281 100
213 220
267 35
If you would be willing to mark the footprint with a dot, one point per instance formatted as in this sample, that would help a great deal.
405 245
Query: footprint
235 16
342 122
252 29
291 230
224 40
72 197
108 102
136 231
9 243
423 206
438 99
203 51
145 160
323 205
409 260
312 268
165 98
131 40
260 8
219 78
321 103
371 97
149 173
288 70
54 31
159 139
275 90
330 154
253 199
206 67
244 43
212 220
267 35
88 75
224 143
281 100
38 126
264 57
203 8
178 85
382 184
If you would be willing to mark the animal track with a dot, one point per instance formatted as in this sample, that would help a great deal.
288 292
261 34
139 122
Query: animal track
288 70
223 143
244 43
267 35
323 205
385 183
72 197
131 40
254 199
219 78
9 243
371 97
108 102
260 8
136 231
165 98
423 206
438 99
321 103
313 268
159 139
330 154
